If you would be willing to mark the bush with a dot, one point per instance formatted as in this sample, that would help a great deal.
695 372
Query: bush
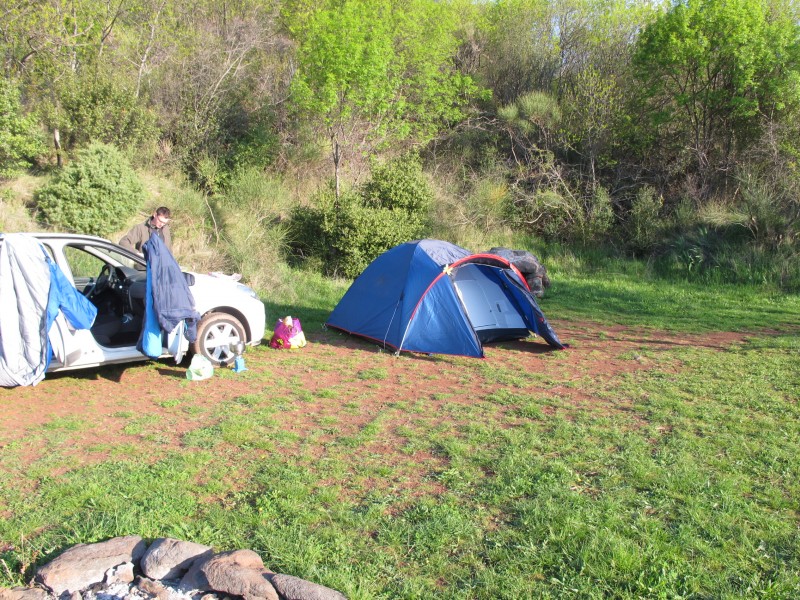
551 214
103 111
95 194
399 185
644 224
362 233
770 208
599 216
348 239
391 208
20 141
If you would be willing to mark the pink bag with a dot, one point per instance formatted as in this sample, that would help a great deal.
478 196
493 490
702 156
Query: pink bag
288 334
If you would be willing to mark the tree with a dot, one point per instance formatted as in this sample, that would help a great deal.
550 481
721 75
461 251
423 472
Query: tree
373 72
712 74
521 48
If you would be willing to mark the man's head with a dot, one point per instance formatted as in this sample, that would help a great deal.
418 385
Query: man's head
160 217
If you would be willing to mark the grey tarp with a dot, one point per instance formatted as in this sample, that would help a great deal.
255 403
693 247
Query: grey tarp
24 289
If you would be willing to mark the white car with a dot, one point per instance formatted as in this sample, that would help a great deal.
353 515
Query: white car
114 279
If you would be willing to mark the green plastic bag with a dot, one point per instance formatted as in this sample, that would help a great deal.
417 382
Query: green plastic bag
200 368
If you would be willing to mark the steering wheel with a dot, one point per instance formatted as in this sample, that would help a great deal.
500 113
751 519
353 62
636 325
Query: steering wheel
102 282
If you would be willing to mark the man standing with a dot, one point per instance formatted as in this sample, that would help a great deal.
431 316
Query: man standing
139 234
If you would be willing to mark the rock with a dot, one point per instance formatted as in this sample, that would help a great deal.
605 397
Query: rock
167 558
23 593
294 588
120 574
85 564
153 588
240 573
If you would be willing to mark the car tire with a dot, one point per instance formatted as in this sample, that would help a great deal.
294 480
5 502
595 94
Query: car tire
216 333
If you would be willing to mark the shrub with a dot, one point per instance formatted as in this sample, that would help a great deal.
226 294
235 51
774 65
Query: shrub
644 224
391 208
95 194
362 233
348 239
770 208
20 141
550 214
599 216
101 110
399 185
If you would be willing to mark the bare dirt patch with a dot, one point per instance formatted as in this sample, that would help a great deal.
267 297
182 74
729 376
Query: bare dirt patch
334 387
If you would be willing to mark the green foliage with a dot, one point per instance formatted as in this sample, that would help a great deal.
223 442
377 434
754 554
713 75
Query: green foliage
346 235
374 72
209 174
102 110
362 233
346 239
399 184
770 208
531 122
21 142
710 70
521 50
644 224
484 207
599 219
253 146
594 116
95 194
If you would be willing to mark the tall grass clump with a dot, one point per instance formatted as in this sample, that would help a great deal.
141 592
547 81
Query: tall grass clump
749 238
250 228
14 198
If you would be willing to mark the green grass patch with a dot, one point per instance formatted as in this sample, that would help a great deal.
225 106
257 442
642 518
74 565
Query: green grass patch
677 477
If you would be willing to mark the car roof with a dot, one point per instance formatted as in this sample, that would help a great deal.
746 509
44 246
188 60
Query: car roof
49 235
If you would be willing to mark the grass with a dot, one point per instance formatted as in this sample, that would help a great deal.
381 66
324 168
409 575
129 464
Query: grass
675 476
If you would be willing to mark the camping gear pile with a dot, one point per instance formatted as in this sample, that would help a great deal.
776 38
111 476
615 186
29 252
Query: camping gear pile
288 334
529 265
434 297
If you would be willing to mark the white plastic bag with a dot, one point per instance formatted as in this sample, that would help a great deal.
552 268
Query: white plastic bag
200 368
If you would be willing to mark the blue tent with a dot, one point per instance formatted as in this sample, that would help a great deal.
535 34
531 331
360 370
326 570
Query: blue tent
435 297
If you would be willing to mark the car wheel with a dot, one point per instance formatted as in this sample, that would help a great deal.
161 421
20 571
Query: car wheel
217 334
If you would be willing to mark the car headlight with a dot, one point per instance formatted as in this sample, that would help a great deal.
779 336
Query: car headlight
246 290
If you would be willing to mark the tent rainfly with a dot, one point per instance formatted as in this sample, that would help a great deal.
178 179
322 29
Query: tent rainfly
434 297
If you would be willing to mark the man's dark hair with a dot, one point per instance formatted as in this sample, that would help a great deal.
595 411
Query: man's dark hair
163 211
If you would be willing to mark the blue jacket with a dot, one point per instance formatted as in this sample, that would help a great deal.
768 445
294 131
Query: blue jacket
172 299
79 311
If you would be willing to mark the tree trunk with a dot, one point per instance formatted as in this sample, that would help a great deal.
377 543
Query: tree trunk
337 157
57 144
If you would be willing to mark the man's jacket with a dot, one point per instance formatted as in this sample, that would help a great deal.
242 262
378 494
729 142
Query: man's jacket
139 234
172 300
